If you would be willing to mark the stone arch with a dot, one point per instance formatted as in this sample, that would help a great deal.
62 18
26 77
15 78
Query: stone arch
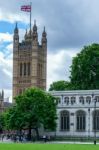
73 100
64 120
88 99
80 120
66 100
97 98
81 99
95 120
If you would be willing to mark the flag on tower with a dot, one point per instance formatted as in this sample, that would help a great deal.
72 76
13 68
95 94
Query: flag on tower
26 8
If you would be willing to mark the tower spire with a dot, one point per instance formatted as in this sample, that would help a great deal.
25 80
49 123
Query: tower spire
16 38
16 28
35 34
16 25
2 94
44 38
44 28
25 34
44 32
34 27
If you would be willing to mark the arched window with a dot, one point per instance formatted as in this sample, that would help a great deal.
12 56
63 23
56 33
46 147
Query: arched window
38 70
20 69
66 100
73 100
58 100
28 69
24 69
81 121
65 121
88 99
81 99
96 120
97 98
41 70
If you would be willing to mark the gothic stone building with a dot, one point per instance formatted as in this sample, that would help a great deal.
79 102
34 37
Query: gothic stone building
29 61
3 105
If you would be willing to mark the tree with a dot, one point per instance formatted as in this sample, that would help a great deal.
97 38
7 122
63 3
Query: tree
60 86
14 119
85 68
1 123
33 109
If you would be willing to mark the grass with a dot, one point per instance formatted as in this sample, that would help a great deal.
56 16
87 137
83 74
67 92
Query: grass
47 147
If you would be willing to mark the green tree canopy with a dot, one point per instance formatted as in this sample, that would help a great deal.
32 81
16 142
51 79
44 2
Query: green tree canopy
60 86
32 109
85 68
14 119
2 123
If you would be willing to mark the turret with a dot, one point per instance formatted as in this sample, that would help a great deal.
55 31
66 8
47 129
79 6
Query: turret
25 37
35 27
44 38
35 34
16 29
3 95
16 38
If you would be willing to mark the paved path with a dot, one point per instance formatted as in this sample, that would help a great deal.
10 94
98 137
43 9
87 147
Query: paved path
51 142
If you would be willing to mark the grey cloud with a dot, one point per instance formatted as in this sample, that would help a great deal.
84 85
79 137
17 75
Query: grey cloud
70 23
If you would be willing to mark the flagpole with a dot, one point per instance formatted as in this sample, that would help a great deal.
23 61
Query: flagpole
30 17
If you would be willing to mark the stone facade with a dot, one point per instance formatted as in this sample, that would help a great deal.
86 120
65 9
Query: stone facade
29 61
78 113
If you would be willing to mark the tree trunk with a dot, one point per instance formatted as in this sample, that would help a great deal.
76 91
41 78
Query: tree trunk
29 133
37 133
20 132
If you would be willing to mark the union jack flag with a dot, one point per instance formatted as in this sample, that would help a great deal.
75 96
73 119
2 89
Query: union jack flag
26 8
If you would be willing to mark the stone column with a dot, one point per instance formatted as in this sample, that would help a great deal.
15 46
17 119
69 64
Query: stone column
72 124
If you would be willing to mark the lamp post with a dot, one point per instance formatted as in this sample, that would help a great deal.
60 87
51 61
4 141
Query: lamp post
89 123
95 122
94 101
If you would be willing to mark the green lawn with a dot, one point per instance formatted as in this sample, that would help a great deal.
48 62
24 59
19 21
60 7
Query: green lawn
47 147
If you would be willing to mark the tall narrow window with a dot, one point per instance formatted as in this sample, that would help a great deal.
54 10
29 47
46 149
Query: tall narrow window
88 99
41 70
81 121
58 100
81 99
65 121
66 100
20 69
73 100
28 69
97 98
96 120
24 69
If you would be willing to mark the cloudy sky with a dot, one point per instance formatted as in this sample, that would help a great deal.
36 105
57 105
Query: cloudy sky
70 24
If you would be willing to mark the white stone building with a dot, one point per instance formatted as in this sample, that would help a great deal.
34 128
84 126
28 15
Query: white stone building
78 113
